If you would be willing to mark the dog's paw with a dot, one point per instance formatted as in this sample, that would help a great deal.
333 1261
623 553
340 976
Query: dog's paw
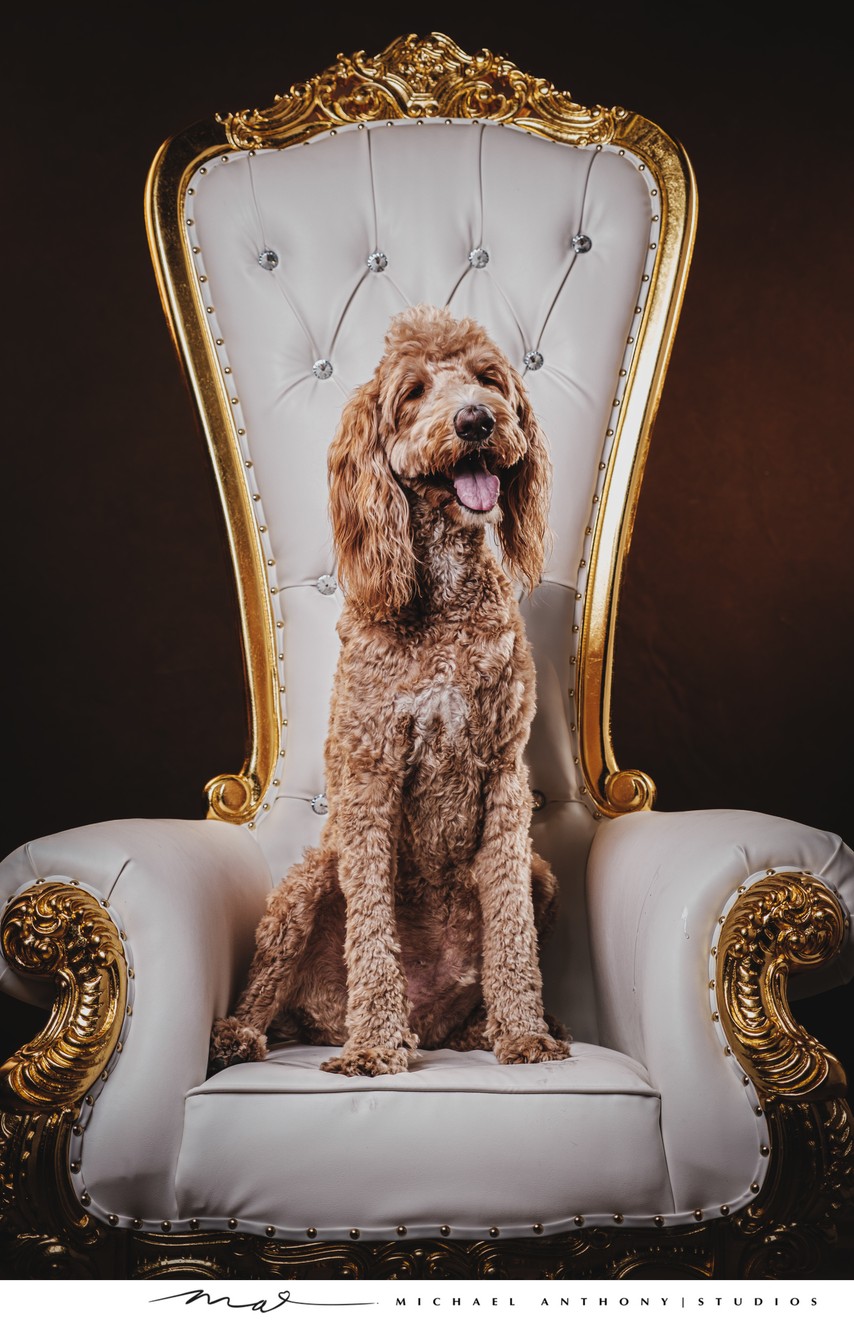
232 1043
369 1060
529 1048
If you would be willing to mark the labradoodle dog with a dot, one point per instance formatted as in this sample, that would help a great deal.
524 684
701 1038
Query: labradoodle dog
416 918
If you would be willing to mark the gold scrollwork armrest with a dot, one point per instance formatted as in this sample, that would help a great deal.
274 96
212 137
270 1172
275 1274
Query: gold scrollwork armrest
788 922
59 930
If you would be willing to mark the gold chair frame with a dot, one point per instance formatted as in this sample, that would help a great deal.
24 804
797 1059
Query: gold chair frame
788 923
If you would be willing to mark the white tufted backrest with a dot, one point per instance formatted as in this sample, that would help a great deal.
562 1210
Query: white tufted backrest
296 258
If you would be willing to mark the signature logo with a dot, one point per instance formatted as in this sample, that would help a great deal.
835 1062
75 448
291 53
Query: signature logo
279 1300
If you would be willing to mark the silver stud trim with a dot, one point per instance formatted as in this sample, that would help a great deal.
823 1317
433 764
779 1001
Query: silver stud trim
326 584
322 369
320 805
581 243
377 260
533 360
268 259
478 258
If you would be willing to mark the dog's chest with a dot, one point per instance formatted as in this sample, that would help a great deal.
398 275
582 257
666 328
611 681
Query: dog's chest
438 708
457 714
460 696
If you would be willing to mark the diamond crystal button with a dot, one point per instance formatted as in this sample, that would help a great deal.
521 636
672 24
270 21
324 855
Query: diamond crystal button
326 584
322 369
534 360
268 259
377 261
581 242
478 257
319 805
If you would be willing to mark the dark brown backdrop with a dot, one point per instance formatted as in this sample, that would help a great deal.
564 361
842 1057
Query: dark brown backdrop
124 690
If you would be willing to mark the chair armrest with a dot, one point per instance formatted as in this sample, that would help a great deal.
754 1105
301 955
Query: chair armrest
195 888
184 898
659 885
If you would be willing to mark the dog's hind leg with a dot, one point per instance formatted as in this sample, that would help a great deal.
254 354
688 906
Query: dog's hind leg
544 891
280 942
544 895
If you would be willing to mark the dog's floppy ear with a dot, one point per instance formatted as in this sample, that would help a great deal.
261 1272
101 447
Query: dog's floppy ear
369 512
523 531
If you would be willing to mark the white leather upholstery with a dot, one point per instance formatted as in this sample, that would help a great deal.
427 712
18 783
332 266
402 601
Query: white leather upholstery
657 885
655 1121
456 1140
188 896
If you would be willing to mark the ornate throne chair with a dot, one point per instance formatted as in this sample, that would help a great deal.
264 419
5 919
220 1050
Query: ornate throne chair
697 1128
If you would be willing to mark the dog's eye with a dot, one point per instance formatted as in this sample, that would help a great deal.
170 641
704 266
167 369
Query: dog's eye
490 380
416 391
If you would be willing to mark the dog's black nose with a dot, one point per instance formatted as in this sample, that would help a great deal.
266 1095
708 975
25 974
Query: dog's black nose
473 422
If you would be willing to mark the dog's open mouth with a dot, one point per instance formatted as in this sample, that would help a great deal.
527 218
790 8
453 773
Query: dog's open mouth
476 488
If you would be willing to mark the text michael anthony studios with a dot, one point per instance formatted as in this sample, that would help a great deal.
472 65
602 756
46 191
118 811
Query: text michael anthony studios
820 1300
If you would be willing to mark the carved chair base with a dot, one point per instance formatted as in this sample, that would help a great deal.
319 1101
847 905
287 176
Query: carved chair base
718 1251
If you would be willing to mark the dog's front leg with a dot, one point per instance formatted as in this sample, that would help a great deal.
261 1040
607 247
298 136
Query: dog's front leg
379 1039
512 981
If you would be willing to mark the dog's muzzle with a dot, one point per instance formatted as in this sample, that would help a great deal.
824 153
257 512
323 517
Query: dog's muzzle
474 422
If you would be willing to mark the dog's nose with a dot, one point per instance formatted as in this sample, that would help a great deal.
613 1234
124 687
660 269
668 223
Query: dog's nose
474 422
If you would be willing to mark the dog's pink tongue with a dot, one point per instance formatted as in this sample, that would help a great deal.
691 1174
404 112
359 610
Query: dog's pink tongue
476 488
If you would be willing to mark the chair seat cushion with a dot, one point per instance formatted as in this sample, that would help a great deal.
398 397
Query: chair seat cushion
459 1141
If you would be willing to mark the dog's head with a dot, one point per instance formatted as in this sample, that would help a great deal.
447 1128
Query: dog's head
445 419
